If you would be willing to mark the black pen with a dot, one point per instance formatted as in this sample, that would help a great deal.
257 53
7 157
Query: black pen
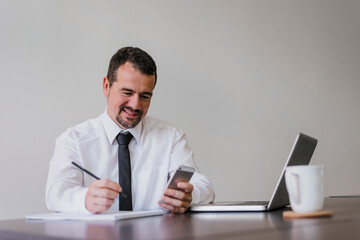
93 175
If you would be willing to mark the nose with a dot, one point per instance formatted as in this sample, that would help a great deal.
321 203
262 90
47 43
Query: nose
134 102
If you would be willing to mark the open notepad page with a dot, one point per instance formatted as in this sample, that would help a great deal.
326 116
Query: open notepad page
89 216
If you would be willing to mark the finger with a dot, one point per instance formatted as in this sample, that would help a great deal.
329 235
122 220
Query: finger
103 202
92 205
178 194
97 208
187 187
106 183
166 206
175 202
174 193
102 192
171 208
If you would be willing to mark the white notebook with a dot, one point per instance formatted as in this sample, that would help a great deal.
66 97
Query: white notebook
89 216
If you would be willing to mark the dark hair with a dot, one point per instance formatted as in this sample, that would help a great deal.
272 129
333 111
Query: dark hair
141 61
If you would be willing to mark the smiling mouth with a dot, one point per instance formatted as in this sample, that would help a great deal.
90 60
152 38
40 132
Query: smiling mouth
132 113
128 117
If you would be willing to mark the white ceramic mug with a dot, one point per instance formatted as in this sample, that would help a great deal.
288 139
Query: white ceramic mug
305 185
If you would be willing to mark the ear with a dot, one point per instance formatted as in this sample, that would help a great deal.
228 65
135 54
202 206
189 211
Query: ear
106 87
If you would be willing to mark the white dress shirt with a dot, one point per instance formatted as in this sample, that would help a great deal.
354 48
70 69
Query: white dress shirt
156 150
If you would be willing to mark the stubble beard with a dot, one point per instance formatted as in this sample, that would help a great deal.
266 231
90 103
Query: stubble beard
129 123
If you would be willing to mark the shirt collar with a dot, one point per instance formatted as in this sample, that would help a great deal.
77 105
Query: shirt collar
112 129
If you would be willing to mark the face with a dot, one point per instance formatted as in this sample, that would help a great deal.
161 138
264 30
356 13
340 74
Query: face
129 96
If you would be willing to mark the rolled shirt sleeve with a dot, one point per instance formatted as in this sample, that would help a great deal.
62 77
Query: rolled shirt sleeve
182 154
64 189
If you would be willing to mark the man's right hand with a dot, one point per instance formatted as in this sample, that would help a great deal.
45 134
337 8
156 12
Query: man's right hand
101 195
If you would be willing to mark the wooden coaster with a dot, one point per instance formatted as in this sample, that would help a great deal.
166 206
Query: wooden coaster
292 214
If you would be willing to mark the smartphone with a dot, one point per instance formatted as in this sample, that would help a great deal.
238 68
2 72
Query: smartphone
182 174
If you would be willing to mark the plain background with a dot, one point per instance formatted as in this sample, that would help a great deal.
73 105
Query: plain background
241 78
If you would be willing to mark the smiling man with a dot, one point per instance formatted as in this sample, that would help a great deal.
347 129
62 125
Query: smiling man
133 154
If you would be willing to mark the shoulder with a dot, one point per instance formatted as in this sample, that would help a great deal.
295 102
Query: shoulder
153 125
150 122
86 129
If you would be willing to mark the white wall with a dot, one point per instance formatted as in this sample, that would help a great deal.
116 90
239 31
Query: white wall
242 78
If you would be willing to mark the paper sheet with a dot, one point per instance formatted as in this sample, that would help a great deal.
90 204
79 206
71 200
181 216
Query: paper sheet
89 216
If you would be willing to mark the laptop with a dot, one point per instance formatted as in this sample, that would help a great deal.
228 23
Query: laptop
300 154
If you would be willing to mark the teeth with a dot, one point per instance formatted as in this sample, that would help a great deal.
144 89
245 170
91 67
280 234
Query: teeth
128 112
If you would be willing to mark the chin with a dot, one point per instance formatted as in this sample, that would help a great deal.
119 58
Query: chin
128 123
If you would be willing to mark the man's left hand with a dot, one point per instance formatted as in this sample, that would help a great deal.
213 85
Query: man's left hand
177 201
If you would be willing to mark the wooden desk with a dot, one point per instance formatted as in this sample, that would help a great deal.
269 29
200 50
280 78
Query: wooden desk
345 224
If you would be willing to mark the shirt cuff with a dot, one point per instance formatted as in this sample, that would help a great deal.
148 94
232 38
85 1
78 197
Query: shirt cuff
199 197
79 200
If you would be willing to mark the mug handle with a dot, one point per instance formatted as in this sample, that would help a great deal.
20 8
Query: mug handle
295 188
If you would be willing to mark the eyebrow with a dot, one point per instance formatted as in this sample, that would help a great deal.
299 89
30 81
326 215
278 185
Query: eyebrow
130 90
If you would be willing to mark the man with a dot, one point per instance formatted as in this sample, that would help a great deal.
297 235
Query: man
136 178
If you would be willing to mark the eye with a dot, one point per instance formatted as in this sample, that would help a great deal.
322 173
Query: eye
127 93
145 97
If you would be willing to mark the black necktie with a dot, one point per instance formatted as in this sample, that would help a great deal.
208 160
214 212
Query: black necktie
125 199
